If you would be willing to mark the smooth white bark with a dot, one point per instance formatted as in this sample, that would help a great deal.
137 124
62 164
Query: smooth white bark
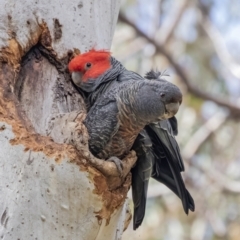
84 23
43 196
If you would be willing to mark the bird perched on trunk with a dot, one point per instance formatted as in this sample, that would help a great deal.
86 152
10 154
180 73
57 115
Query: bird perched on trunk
127 111
119 115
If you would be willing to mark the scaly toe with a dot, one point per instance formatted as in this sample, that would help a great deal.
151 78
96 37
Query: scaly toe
118 164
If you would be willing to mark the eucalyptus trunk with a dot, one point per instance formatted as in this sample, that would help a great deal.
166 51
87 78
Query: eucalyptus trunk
48 189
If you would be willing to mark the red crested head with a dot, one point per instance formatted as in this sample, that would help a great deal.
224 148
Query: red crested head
91 64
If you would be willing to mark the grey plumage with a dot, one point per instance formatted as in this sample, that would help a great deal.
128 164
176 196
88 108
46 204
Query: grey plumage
156 147
162 153
124 110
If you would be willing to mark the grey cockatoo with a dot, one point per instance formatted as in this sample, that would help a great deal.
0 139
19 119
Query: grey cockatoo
128 112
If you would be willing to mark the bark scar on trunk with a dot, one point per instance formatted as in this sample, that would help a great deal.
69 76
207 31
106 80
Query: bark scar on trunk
72 125
23 77
104 175
63 195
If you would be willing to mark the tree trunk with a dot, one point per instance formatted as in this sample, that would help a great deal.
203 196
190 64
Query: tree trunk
48 189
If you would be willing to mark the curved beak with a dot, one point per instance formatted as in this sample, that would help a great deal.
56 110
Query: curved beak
77 78
170 110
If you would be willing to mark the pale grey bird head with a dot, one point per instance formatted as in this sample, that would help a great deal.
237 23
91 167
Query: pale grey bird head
156 100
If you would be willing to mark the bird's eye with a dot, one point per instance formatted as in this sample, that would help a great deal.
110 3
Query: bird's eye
162 94
88 65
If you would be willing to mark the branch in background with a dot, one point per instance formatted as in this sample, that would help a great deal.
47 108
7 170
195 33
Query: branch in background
155 190
172 21
221 48
221 180
132 48
190 149
233 108
155 16
219 45
195 142
211 126
218 225
203 133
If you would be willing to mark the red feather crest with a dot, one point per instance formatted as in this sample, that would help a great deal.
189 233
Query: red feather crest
98 60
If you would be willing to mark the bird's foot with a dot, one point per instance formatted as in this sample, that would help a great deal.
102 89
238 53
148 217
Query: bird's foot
113 167
68 128
118 163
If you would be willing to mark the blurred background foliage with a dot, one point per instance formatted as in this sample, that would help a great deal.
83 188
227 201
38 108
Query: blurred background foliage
198 44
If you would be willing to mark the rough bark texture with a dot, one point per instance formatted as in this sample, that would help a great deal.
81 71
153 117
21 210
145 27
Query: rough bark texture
48 188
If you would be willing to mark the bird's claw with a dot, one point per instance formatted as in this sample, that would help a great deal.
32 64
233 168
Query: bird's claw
118 163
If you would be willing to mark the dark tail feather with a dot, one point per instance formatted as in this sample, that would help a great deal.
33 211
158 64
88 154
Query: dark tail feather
139 210
168 162
168 181
174 125
162 136
140 176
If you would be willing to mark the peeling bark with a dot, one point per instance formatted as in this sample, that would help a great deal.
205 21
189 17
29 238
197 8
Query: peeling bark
51 186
